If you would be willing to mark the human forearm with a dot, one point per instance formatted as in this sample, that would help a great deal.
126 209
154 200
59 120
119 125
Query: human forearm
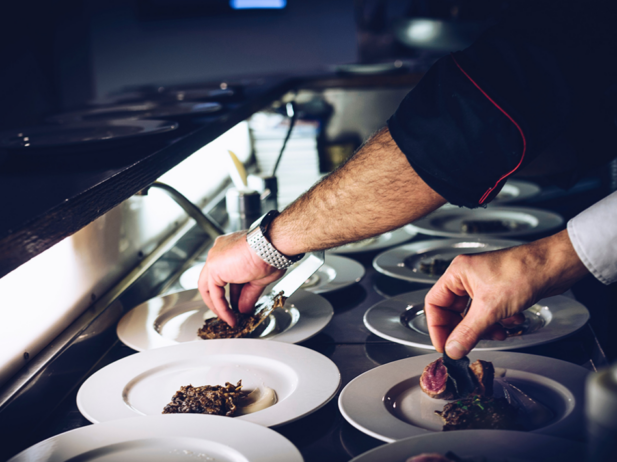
374 192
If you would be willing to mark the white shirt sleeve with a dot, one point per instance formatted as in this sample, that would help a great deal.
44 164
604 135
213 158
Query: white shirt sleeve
593 234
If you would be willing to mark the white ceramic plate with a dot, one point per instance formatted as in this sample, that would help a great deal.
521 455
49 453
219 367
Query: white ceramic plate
142 384
336 273
516 191
486 445
175 318
524 221
166 438
401 319
383 241
141 110
91 134
388 404
404 262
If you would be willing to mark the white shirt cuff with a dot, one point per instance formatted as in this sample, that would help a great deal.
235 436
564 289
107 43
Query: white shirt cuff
593 234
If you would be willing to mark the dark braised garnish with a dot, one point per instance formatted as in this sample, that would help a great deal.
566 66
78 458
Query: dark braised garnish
436 267
217 328
246 323
216 400
479 412
485 226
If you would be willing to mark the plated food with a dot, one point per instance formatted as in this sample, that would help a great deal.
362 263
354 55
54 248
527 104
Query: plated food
478 446
180 317
388 402
229 400
145 383
469 388
426 261
507 222
383 241
166 438
401 320
246 325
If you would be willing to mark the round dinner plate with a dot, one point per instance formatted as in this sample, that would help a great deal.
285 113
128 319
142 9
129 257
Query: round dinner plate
485 445
401 320
175 318
388 404
83 134
142 110
385 240
522 221
336 273
166 438
516 191
142 384
406 261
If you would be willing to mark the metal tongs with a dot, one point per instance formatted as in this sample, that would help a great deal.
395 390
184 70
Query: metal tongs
286 287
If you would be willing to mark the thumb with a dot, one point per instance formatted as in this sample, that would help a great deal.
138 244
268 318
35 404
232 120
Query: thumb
468 332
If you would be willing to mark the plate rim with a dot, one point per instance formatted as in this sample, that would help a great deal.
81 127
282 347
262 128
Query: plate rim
110 433
337 262
422 226
419 245
168 127
400 235
499 345
288 336
573 379
71 117
527 188
114 377
373 455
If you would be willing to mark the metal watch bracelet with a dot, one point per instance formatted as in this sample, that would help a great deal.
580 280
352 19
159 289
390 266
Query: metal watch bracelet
266 251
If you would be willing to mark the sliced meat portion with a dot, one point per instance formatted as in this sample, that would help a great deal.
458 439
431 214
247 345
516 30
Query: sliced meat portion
434 381
484 374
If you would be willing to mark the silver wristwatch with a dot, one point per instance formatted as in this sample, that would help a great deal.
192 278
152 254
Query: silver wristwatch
257 240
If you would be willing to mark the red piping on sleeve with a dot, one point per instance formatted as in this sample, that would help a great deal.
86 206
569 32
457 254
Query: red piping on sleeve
490 190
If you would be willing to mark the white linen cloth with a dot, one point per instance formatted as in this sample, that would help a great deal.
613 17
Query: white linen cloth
593 234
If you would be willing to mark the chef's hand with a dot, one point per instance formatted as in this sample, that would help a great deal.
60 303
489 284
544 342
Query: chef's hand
501 284
232 261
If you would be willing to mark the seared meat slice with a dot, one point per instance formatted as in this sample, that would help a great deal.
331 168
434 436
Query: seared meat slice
479 412
208 399
484 374
434 381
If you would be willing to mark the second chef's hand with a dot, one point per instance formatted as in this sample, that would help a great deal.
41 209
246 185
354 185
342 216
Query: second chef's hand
376 191
502 284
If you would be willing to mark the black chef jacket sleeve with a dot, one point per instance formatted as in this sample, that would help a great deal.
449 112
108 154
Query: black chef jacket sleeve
481 114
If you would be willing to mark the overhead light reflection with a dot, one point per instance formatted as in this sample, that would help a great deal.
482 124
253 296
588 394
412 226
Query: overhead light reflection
423 30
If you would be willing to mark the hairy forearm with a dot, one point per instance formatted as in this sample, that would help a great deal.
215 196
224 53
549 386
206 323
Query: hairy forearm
374 192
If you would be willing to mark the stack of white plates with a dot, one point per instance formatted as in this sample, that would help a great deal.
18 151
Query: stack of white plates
299 166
